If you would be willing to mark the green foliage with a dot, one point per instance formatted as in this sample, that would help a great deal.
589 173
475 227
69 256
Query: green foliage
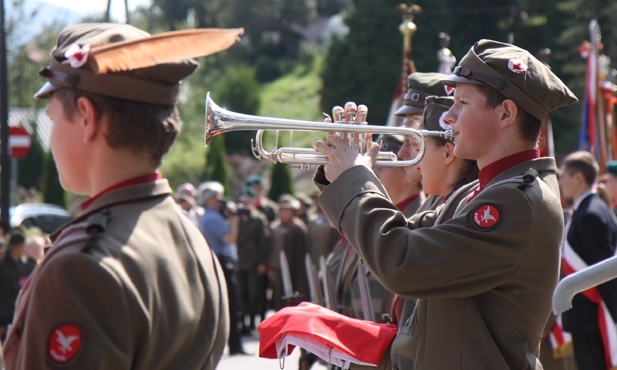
217 168
52 189
30 168
365 66
280 181
238 91
571 28
267 69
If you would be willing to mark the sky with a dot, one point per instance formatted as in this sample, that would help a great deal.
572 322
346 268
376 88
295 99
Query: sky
88 7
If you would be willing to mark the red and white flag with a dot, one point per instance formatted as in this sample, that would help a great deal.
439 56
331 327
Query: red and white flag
572 263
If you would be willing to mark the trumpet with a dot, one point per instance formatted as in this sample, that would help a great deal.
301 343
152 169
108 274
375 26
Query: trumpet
220 121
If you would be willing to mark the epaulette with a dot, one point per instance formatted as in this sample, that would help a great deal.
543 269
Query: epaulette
529 178
96 224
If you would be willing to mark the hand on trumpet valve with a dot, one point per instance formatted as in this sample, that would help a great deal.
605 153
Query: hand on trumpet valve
345 150
342 157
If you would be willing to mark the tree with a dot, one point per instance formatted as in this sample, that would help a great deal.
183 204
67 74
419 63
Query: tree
31 168
573 17
217 168
52 189
238 91
280 181
365 65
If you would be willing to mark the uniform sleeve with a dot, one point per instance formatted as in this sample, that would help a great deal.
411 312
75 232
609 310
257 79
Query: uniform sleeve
453 259
75 295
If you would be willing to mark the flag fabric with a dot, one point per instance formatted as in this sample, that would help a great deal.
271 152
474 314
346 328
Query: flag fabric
597 133
572 263
561 341
546 142
335 338
587 138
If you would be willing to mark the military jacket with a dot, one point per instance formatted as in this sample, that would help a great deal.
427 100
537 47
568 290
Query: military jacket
483 279
129 284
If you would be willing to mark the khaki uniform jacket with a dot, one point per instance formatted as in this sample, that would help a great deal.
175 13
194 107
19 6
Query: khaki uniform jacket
484 292
137 281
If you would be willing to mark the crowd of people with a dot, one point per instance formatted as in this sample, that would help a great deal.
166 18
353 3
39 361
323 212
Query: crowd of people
461 251
251 235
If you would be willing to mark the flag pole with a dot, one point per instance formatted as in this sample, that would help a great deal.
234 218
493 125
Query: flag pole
407 28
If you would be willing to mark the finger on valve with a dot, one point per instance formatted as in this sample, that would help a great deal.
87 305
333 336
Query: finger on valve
351 110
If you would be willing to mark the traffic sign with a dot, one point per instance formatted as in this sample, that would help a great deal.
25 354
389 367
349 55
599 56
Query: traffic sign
19 142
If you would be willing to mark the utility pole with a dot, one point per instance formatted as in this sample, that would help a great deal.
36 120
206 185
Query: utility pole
5 163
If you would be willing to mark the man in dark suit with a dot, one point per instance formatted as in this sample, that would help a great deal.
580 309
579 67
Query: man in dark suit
591 237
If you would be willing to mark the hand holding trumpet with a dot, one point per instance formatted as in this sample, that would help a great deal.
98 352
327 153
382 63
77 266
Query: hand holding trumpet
341 156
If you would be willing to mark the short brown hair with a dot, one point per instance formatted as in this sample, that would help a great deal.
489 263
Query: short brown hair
143 127
529 126
582 162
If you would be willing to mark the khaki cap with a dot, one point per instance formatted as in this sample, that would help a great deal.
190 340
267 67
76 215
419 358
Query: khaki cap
157 85
435 111
288 201
390 143
421 85
124 62
516 74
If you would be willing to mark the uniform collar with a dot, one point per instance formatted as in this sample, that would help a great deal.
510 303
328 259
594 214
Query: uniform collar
488 173
151 177
402 205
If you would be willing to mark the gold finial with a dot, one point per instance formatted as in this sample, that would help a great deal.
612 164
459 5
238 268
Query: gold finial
408 28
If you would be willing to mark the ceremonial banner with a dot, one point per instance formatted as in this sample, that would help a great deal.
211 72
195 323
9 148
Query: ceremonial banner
335 338
572 263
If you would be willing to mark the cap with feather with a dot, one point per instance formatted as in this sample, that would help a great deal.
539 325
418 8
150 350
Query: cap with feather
121 61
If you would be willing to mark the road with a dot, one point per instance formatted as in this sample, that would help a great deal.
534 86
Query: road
253 362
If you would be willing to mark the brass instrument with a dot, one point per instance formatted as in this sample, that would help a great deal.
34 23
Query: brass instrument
220 121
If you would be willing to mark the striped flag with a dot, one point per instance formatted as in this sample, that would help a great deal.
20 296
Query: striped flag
572 263
597 133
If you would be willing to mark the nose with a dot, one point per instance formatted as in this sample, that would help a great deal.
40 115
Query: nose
450 117
405 152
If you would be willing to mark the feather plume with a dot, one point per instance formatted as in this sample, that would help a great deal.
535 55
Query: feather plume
165 47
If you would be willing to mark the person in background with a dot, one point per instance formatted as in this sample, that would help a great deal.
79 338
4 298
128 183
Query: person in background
35 247
322 236
289 236
611 183
253 253
14 270
130 282
220 228
306 210
420 86
262 203
591 237
186 195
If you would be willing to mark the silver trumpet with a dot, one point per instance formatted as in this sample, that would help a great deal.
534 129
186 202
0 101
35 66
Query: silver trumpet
220 121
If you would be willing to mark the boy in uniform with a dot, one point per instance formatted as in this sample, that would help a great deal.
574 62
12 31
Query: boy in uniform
130 282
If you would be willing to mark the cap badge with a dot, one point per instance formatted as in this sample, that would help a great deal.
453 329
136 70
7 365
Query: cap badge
77 55
486 216
449 89
64 343
517 65
442 122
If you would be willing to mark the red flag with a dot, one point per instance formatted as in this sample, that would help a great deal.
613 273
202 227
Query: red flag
335 338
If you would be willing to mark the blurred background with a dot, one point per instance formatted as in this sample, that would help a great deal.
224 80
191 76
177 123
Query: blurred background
297 59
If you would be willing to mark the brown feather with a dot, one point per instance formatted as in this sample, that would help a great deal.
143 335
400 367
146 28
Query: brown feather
165 47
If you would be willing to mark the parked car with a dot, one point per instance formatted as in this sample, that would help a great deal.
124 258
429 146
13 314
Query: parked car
47 217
